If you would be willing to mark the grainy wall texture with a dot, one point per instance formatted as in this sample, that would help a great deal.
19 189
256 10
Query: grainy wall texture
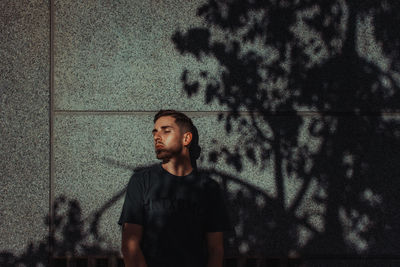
24 127
296 104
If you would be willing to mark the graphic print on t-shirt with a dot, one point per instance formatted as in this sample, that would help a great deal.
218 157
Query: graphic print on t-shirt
171 205
182 209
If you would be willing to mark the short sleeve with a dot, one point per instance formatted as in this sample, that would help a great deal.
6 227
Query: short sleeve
217 219
132 210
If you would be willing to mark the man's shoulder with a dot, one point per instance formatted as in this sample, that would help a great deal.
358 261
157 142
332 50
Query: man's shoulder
146 169
145 172
206 180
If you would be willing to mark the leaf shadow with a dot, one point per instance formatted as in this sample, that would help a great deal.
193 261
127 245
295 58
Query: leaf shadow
321 109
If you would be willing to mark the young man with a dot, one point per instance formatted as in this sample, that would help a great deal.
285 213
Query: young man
173 216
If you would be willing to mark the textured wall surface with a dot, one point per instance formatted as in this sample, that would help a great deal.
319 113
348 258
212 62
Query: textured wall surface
119 55
117 63
313 171
24 126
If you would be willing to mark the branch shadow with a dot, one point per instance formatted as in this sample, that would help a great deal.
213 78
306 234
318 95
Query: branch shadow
72 234
321 111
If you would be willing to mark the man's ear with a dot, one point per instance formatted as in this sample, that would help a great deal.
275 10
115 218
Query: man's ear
187 138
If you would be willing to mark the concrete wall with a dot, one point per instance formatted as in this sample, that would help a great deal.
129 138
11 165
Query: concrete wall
311 173
24 129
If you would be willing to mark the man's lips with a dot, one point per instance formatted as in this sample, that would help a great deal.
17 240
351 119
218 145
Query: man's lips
159 146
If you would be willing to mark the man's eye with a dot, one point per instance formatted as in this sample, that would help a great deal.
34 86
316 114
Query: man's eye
167 131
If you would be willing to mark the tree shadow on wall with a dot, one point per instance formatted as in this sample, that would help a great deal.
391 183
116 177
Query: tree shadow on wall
319 80
73 235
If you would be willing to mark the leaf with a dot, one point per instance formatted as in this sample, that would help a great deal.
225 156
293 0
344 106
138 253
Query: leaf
213 156
251 155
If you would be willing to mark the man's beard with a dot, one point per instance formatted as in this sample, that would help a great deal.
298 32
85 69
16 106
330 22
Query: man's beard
166 154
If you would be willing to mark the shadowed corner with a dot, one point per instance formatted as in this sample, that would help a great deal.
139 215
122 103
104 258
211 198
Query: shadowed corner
71 233
69 238
304 70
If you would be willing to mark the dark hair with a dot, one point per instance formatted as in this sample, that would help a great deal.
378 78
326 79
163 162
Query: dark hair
185 125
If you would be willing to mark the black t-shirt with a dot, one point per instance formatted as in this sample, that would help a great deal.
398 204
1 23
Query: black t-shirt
176 212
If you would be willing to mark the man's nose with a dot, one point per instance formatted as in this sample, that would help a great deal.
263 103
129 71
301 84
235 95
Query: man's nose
156 137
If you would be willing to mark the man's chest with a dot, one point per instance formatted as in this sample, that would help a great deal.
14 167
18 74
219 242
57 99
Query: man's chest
172 203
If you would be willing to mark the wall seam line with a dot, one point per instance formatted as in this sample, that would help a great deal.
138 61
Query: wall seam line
51 122
278 113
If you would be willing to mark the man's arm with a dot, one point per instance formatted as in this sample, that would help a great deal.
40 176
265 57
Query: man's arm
131 236
215 244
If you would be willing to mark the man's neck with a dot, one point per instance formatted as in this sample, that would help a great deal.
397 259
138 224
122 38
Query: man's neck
178 168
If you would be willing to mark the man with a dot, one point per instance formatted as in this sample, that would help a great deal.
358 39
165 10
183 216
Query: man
173 216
